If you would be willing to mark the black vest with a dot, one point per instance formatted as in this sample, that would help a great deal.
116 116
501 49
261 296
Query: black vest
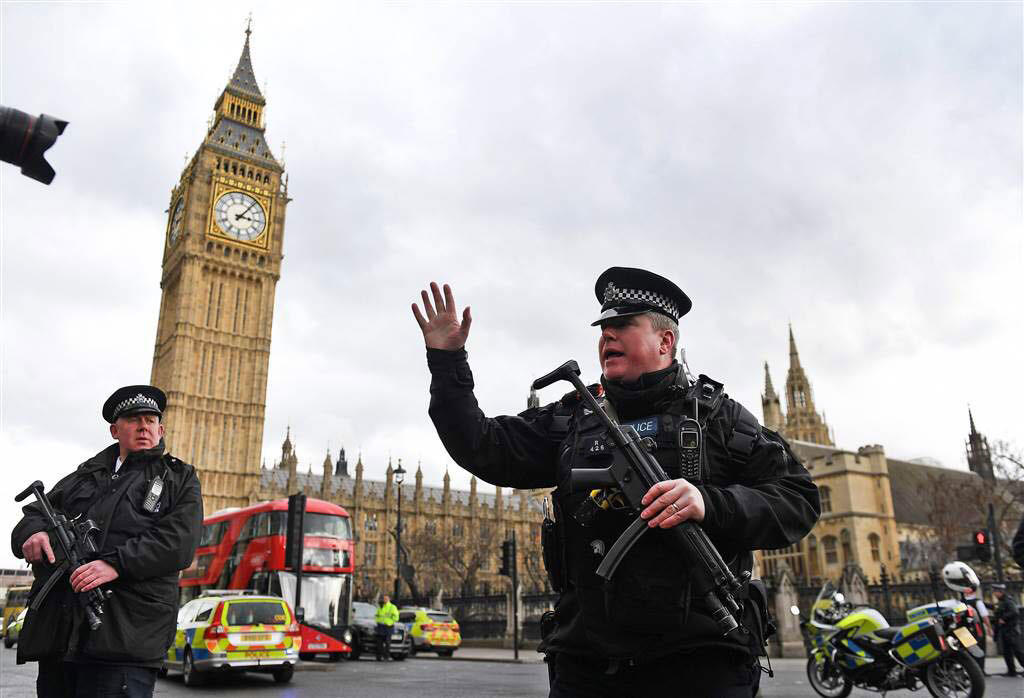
647 609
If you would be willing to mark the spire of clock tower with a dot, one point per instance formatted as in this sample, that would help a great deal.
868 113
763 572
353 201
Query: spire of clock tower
244 79
238 126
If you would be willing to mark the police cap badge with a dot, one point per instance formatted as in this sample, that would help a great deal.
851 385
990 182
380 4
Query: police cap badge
134 399
624 291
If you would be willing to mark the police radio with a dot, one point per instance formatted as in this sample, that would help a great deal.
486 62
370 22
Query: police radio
690 438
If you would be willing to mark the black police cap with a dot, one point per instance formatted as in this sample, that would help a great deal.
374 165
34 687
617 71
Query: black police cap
625 291
134 399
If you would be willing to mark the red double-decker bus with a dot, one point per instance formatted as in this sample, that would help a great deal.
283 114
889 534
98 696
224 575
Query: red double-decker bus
244 549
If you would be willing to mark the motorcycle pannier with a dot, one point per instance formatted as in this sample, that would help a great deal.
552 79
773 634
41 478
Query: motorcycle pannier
917 643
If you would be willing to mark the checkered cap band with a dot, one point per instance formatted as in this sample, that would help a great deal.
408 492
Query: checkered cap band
139 400
640 296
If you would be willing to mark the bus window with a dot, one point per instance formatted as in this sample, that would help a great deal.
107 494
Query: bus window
212 534
249 529
278 523
327 526
262 525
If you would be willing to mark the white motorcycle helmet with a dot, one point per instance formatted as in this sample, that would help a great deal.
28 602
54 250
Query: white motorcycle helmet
959 576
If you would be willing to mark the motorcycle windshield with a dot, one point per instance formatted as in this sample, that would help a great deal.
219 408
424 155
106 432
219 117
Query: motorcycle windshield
828 590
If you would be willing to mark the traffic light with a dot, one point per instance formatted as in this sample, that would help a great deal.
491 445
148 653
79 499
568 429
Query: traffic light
982 545
508 562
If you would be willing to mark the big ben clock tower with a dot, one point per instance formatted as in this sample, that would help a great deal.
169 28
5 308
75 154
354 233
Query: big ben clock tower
221 263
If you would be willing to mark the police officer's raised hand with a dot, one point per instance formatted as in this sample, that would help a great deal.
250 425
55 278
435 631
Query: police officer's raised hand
671 502
441 327
37 547
92 574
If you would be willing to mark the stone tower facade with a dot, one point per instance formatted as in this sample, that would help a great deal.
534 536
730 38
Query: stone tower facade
221 264
979 456
803 423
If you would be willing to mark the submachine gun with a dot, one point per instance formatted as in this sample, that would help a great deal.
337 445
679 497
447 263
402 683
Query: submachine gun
75 537
634 470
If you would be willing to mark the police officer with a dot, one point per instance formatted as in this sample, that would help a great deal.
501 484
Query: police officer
645 633
1007 615
959 577
387 616
148 507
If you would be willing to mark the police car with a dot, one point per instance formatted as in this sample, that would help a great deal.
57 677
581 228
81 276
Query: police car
431 630
234 631
13 630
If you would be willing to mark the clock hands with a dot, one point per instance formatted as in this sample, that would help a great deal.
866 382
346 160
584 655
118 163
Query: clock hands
249 208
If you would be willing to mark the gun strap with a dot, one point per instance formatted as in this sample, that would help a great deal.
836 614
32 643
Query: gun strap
54 578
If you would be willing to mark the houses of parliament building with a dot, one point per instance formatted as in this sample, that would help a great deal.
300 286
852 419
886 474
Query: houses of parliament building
221 263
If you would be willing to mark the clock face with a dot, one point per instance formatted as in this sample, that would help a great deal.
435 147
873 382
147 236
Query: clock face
240 216
177 221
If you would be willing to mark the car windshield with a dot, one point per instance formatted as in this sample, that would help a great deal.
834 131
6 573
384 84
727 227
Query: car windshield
326 598
256 613
440 617
364 611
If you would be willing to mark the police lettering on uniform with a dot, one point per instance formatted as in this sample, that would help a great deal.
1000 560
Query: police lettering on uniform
149 512
646 631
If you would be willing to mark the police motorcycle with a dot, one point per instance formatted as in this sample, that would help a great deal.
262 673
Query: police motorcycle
849 647
955 613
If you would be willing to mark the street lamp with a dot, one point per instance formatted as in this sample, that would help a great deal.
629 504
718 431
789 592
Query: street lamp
399 477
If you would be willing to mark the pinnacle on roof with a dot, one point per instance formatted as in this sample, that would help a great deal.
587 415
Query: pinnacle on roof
243 82
971 417
794 357
769 390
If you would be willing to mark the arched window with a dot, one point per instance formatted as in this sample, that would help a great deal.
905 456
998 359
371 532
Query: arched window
875 542
813 564
831 554
826 499
844 538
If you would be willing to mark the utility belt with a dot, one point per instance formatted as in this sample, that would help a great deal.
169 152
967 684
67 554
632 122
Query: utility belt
700 659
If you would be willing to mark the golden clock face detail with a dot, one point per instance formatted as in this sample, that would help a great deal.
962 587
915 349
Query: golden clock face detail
177 221
240 216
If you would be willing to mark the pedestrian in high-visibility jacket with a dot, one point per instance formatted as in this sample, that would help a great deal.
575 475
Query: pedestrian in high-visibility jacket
387 615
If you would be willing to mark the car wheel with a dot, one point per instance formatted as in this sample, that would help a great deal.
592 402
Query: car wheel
284 674
307 656
8 642
445 653
334 657
191 676
398 657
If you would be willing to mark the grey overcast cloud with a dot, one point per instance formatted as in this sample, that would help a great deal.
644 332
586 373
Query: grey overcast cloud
853 169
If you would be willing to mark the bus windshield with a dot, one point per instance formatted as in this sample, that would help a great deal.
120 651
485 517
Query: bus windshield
326 598
326 525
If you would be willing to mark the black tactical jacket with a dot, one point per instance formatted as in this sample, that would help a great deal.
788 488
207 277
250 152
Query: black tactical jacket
760 499
147 550
1007 615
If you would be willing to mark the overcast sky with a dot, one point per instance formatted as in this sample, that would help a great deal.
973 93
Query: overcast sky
853 169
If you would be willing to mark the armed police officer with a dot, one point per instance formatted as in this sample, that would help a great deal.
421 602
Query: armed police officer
646 631
148 508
